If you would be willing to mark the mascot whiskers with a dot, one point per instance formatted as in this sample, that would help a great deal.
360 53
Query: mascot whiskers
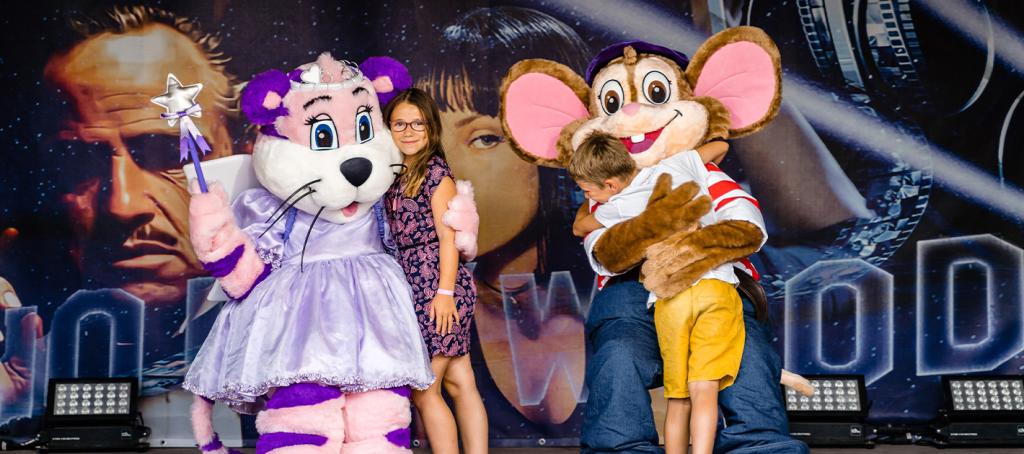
320 337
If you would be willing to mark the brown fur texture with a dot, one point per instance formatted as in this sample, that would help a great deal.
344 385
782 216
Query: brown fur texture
732 35
718 119
560 72
564 144
623 245
675 264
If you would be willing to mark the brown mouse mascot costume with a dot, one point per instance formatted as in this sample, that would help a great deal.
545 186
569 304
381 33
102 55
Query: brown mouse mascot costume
659 102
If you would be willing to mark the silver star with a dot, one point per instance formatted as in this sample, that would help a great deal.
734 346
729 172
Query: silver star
177 98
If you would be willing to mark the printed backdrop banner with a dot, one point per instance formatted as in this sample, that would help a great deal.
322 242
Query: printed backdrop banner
891 184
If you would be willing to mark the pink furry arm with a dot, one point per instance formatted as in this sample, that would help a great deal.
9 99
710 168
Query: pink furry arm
464 219
224 249
202 427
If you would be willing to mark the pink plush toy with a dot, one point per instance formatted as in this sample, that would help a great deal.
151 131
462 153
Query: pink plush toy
463 218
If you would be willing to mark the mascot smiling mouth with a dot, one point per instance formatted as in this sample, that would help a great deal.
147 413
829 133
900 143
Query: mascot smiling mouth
350 209
640 143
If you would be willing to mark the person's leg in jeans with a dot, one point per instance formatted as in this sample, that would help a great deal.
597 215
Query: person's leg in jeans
624 363
752 409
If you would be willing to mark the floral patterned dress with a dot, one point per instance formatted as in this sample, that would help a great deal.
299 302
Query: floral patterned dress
411 221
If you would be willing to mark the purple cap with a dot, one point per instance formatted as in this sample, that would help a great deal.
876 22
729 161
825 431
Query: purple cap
642 47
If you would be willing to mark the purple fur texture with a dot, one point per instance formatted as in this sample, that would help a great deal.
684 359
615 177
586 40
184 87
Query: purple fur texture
213 445
270 130
271 441
224 266
375 67
301 394
256 91
403 391
400 437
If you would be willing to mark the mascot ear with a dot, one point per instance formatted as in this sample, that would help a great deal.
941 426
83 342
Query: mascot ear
261 98
389 77
740 67
539 99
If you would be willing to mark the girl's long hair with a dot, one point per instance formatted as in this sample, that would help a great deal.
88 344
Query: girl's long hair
474 52
416 171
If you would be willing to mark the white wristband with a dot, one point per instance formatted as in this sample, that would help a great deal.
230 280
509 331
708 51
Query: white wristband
442 291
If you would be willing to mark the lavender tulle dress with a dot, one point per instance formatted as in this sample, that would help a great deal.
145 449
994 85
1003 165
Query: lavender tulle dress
346 320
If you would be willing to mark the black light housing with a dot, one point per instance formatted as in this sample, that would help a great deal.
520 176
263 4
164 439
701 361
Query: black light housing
981 410
834 416
836 398
984 397
92 414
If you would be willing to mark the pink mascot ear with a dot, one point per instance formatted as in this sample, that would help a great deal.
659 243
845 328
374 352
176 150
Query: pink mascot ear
261 97
740 68
539 99
389 77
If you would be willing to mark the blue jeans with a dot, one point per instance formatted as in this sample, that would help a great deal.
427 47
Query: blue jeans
625 362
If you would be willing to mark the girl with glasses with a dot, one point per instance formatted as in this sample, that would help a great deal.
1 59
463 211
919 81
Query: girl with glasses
443 288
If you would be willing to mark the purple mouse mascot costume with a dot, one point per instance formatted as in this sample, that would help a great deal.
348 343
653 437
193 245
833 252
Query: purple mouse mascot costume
320 338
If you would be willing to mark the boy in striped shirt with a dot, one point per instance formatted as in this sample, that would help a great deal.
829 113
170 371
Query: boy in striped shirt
700 330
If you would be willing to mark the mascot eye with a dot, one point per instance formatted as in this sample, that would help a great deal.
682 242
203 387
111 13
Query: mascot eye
323 135
657 88
364 127
611 96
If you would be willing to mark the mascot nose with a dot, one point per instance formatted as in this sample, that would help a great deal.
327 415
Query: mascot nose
356 170
631 108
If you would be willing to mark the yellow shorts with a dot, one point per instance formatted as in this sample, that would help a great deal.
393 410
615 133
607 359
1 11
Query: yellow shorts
701 334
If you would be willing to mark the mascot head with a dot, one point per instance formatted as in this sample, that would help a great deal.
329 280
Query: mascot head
654 99
322 137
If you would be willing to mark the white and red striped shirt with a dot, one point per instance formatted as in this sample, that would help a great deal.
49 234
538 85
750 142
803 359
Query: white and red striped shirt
728 200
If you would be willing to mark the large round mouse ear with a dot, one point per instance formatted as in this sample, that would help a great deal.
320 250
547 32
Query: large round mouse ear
542 102
389 76
739 67
262 98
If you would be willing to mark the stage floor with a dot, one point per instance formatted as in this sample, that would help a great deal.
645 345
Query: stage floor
880 449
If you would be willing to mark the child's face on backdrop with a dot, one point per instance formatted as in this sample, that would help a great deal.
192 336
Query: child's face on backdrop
413 137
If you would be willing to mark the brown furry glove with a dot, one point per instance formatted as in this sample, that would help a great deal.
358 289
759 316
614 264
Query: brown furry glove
675 264
669 211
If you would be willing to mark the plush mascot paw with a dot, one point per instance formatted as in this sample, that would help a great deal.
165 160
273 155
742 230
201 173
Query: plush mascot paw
464 219
211 223
674 264
207 202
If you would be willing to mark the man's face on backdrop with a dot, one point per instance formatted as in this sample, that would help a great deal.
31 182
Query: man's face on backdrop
124 188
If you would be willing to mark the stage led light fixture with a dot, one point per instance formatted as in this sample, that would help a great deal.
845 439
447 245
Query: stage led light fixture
834 415
85 399
835 397
992 397
982 410
90 414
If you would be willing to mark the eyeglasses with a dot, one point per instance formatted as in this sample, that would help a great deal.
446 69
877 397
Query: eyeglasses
399 126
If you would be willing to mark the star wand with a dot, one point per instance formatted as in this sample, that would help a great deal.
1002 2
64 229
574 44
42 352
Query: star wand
180 102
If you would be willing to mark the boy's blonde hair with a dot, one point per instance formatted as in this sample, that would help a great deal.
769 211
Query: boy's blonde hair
600 157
